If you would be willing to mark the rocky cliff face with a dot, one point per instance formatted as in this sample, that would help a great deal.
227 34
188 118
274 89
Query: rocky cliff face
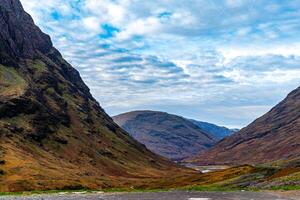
53 133
19 37
168 135
274 136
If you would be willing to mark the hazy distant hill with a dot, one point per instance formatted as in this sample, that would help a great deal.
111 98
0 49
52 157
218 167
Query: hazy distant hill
218 132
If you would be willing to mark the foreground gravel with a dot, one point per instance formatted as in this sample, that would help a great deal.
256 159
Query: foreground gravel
178 195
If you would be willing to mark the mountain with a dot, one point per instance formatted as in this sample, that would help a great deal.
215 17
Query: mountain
168 135
219 132
274 136
54 134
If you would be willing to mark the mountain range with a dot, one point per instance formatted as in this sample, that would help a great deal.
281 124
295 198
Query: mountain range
170 135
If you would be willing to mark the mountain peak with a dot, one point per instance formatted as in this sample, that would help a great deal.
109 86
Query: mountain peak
14 5
19 37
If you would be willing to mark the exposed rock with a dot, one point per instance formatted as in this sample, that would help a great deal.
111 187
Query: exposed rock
19 37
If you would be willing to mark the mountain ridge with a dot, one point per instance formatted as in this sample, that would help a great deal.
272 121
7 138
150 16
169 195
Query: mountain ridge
274 136
169 135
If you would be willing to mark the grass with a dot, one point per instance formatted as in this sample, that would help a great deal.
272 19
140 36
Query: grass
38 65
200 188
37 192
211 188
11 83
117 190
228 180
111 190
286 187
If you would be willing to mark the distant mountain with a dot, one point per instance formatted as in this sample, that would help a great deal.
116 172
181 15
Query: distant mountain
274 136
219 132
53 133
168 135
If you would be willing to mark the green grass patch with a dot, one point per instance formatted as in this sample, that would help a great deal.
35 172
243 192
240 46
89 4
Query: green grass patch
37 65
113 190
11 83
129 190
286 187
211 188
84 191
37 192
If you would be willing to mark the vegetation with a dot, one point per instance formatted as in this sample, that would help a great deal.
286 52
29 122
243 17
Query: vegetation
286 187
11 83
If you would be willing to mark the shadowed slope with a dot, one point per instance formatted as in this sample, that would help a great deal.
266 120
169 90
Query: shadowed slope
168 135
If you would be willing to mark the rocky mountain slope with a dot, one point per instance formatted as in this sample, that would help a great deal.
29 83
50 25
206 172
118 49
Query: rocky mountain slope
168 135
218 132
275 136
54 135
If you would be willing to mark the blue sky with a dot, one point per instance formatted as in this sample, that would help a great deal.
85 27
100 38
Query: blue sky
221 61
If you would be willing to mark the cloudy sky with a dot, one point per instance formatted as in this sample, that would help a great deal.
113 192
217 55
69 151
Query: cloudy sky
222 61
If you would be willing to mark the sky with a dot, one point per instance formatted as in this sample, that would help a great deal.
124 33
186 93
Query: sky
222 61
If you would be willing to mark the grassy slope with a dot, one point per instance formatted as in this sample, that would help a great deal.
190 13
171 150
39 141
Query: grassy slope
233 179
11 83
91 153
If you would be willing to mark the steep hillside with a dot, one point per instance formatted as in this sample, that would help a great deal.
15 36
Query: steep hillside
274 136
53 133
219 132
168 135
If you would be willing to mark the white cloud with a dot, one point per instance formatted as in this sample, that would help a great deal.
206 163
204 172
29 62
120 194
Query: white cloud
186 57
140 28
92 24
287 49
114 12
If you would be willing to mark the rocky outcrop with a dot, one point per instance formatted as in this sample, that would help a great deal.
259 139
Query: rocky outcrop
19 37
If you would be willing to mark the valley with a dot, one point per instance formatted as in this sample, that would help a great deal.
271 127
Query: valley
206 169
58 142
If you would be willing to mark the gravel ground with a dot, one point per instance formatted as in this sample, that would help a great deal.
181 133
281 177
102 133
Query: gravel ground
178 195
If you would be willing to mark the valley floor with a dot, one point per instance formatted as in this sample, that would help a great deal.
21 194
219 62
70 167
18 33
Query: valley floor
175 195
206 169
